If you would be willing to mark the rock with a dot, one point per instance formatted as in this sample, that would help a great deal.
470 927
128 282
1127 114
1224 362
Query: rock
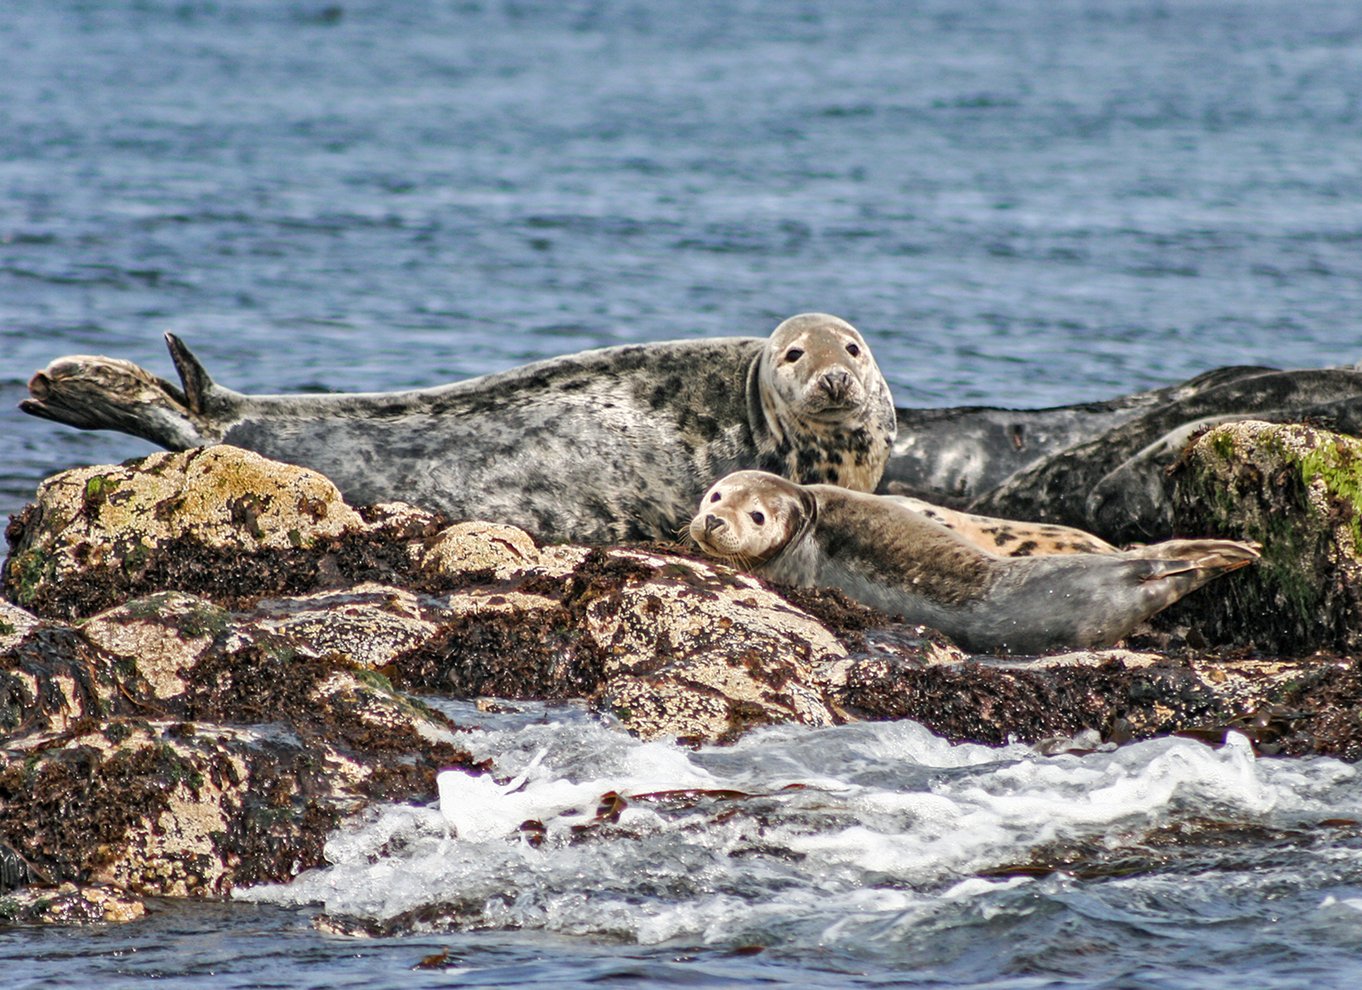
673 646
70 904
99 535
15 624
369 624
161 636
697 652
1297 491
168 747
1284 707
208 662
471 547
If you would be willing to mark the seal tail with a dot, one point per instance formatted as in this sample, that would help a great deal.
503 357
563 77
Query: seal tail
91 392
1176 567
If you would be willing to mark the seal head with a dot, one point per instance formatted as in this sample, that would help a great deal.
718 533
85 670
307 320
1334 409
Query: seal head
824 403
750 517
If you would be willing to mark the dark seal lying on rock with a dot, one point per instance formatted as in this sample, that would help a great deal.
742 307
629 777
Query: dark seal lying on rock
606 445
1101 466
884 554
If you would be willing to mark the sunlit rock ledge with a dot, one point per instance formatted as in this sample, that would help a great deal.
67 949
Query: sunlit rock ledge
208 659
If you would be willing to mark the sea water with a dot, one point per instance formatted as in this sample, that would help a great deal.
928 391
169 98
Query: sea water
862 855
1020 203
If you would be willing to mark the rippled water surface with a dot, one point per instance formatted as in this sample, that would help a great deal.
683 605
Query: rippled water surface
1020 203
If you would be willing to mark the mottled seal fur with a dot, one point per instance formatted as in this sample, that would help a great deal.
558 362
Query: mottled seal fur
1007 537
886 555
606 445
1100 466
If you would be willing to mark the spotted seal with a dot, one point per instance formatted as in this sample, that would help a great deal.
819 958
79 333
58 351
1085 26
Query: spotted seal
602 446
884 554
1100 467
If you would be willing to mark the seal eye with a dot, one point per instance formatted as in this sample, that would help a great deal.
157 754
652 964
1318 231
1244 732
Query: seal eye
714 497
758 518
793 355
853 350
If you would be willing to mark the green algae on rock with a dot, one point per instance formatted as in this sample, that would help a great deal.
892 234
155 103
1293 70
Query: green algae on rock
1297 491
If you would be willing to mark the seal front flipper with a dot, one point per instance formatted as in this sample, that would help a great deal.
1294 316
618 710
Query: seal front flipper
91 392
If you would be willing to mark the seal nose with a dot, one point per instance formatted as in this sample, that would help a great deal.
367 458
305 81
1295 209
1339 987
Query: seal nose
712 522
836 383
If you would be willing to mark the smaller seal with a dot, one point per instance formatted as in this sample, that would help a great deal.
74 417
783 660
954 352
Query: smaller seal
886 555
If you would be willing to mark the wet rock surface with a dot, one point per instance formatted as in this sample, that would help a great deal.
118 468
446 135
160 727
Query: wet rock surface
207 663
1283 707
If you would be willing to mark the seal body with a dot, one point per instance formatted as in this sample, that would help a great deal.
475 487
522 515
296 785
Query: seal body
1100 466
887 555
607 445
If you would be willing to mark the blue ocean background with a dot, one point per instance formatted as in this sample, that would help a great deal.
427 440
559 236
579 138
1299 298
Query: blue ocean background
1019 202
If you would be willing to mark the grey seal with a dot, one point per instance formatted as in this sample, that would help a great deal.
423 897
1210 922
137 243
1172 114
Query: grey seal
1100 466
602 446
884 554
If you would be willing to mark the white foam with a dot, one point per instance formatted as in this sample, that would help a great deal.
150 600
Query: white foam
889 825
1349 904
479 809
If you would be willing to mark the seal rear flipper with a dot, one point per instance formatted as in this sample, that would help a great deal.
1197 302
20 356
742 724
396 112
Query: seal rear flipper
193 375
1216 556
100 393
1177 567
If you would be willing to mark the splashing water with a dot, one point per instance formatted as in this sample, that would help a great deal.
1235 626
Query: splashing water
874 840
